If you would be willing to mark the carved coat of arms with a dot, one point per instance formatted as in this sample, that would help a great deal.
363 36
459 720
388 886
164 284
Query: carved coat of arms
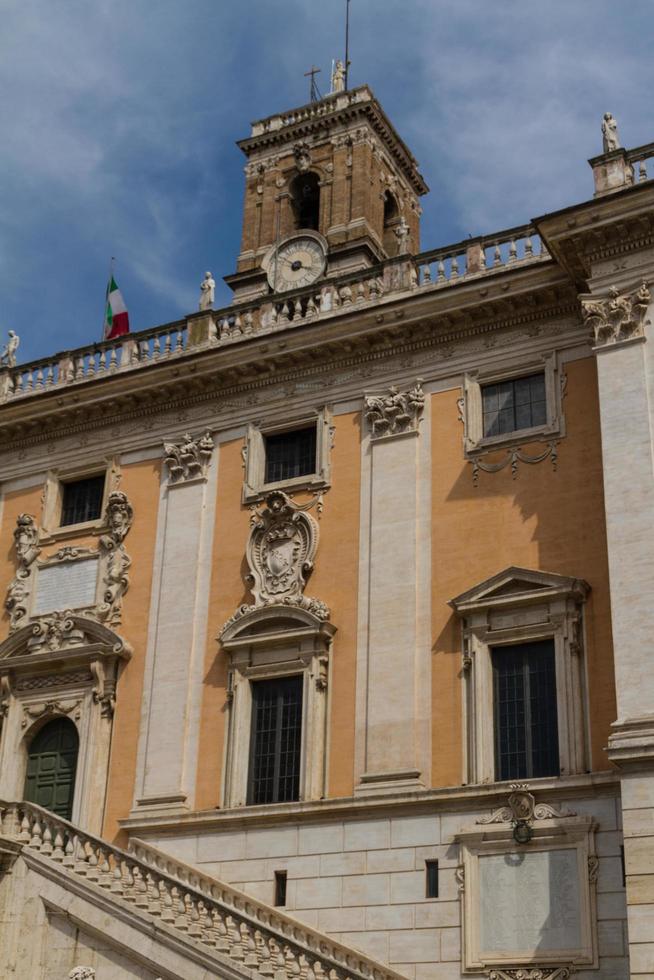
281 550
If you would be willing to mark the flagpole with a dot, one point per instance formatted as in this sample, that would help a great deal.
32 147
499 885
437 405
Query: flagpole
106 296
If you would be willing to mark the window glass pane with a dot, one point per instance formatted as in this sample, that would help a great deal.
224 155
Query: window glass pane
82 500
275 740
514 405
290 454
525 713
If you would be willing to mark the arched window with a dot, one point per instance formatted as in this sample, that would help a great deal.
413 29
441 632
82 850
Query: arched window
51 767
391 221
305 197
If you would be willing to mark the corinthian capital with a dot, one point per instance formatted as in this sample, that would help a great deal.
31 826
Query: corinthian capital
617 317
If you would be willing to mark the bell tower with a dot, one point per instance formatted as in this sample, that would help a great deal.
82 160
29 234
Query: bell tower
330 188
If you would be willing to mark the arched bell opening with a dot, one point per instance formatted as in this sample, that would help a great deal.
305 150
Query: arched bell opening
305 201
391 221
52 767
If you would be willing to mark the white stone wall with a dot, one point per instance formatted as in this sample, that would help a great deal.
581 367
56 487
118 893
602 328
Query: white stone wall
363 882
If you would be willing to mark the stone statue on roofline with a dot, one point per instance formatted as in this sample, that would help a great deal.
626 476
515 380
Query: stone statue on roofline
610 136
8 355
207 290
338 77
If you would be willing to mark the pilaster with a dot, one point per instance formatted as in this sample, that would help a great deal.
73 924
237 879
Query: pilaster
169 732
393 721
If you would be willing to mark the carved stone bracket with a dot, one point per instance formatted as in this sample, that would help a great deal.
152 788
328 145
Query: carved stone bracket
395 413
522 806
514 455
189 459
531 973
82 973
617 317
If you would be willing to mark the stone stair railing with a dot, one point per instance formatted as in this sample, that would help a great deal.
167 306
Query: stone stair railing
482 256
251 934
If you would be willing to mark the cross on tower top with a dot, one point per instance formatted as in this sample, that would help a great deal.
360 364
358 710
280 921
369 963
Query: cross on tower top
314 94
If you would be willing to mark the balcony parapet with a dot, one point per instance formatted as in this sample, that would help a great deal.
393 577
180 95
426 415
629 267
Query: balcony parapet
617 169
394 278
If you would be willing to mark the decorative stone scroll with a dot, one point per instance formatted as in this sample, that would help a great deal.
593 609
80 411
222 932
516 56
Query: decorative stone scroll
119 517
522 806
27 551
532 973
114 563
395 413
617 317
189 459
280 553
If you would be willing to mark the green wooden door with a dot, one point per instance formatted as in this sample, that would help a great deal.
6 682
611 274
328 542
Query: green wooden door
51 765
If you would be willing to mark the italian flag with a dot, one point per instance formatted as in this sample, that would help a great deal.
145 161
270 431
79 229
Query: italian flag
116 317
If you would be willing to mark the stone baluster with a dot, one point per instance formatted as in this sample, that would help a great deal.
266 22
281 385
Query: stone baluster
426 273
181 918
263 954
440 271
58 845
106 877
312 309
235 948
194 925
513 252
92 870
69 851
497 255
102 362
222 935
278 961
25 829
297 309
140 888
454 267
529 248
248 322
37 834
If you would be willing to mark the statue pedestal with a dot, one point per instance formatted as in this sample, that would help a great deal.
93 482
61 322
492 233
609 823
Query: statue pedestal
201 330
611 172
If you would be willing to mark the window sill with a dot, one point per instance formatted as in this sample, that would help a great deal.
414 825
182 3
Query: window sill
519 437
310 481
96 528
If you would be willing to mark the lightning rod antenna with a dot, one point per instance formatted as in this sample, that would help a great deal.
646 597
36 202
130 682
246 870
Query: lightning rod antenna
347 42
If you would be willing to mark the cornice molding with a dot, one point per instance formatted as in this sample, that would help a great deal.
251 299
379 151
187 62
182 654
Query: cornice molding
400 327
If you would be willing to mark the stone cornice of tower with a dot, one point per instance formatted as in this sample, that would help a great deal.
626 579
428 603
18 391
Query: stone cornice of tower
334 111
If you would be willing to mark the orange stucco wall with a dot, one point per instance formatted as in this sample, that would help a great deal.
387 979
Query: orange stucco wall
334 581
545 519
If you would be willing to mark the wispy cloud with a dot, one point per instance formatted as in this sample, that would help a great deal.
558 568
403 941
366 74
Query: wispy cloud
119 119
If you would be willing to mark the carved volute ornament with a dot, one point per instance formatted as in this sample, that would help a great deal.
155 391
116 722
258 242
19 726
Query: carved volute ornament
617 317
119 517
280 553
395 413
188 459
27 551
114 566
531 973
522 807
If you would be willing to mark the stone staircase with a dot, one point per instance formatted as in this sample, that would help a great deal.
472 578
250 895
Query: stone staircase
171 901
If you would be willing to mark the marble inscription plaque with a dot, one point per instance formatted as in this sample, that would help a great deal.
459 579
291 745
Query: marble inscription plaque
71 585
529 901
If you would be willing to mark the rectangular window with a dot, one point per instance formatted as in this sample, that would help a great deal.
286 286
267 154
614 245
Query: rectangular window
275 741
290 454
280 888
524 690
509 406
431 879
82 500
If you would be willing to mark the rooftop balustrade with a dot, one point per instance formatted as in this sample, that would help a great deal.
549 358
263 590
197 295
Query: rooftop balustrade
432 270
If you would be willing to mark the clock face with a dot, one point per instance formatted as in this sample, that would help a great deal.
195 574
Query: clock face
296 263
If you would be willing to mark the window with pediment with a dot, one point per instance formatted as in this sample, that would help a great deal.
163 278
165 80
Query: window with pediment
523 676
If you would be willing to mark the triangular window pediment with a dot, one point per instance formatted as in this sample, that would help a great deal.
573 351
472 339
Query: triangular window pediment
518 584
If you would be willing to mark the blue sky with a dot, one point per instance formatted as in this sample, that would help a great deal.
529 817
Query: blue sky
119 117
